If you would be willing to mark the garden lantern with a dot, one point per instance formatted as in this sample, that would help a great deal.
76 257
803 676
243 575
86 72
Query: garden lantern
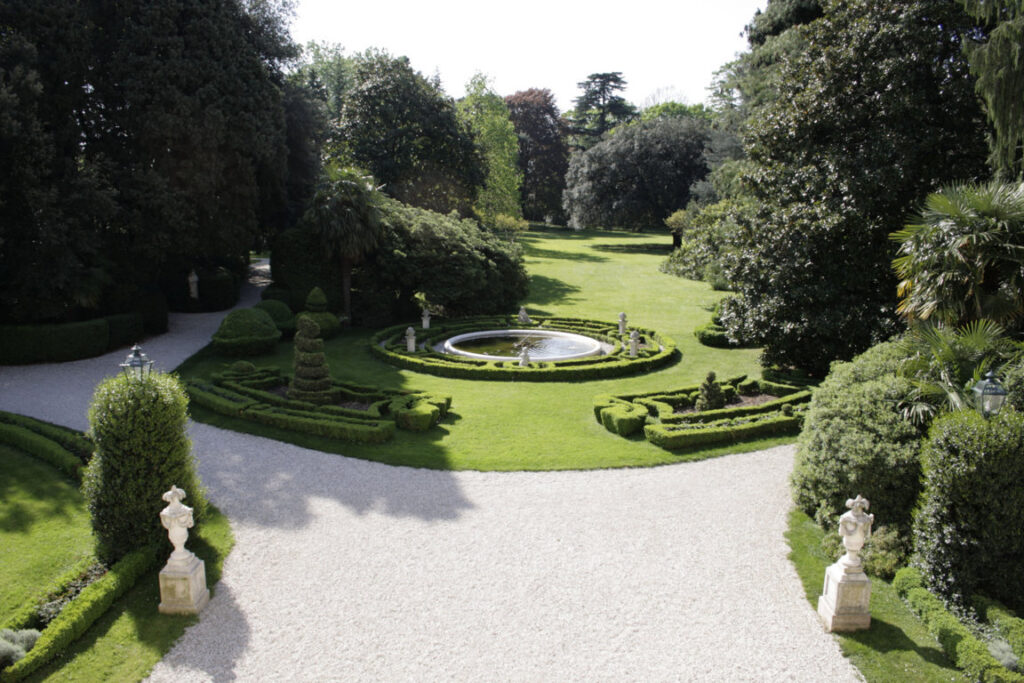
989 395
137 365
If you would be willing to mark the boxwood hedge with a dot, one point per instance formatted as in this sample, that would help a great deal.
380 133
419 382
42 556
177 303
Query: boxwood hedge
655 414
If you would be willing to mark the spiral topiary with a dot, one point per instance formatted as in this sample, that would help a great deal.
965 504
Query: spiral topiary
312 378
142 449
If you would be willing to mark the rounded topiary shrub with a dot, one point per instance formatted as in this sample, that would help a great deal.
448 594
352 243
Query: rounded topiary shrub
316 310
855 441
246 332
967 531
142 449
281 314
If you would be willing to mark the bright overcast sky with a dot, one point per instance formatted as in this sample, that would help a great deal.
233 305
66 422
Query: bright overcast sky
658 45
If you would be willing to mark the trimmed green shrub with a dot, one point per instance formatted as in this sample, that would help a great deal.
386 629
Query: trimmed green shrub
1008 624
683 436
20 344
970 654
316 310
312 380
884 552
76 618
42 448
70 440
624 418
142 449
417 417
967 531
246 332
280 314
855 441
711 395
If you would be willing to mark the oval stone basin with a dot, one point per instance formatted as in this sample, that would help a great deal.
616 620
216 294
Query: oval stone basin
542 345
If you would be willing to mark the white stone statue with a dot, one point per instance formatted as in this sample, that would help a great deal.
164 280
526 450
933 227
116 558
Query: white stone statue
846 595
183 579
524 317
622 323
193 284
177 519
855 529
634 343
410 340
426 319
524 358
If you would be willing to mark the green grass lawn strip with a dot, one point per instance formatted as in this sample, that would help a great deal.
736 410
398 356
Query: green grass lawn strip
44 529
535 426
897 647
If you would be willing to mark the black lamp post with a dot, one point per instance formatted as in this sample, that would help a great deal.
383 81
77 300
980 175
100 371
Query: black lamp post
989 395
137 365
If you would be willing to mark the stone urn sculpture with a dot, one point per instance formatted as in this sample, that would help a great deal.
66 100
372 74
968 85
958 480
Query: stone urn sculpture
524 358
183 579
622 323
410 340
634 343
425 318
843 605
524 317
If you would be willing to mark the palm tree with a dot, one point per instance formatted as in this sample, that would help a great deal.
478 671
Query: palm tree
344 215
943 365
962 259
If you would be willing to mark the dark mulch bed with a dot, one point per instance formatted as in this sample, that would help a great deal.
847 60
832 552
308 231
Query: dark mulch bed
740 402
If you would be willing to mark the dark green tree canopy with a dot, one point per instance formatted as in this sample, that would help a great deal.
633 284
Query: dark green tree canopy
401 127
599 108
637 177
543 151
876 112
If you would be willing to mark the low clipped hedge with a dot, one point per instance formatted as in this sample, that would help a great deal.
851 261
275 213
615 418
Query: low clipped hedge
968 652
389 345
243 392
246 332
76 443
714 335
1008 624
21 344
42 448
281 314
82 612
654 414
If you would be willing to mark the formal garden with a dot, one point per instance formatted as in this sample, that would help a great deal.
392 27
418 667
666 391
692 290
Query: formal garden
813 260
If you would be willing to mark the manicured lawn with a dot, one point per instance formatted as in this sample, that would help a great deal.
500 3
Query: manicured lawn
897 647
538 426
44 529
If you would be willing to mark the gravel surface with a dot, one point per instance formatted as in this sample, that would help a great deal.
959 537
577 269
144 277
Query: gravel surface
351 570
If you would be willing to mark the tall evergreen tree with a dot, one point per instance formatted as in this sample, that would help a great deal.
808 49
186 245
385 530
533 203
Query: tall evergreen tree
599 108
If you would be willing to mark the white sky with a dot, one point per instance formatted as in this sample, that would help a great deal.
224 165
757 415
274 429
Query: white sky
672 46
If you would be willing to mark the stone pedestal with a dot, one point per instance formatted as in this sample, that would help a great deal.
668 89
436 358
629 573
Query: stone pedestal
844 600
183 587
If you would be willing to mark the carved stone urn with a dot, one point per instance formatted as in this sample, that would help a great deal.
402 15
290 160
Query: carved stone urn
845 598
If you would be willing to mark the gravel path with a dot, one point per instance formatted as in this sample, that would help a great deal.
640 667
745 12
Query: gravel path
351 570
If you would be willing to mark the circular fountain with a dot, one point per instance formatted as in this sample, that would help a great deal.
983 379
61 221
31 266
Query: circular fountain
507 345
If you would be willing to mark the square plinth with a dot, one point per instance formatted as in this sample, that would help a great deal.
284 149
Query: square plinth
844 603
183 588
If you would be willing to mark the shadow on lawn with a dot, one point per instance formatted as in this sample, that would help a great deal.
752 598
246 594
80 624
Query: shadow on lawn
647 248
537 252
27 479
549 290
885 637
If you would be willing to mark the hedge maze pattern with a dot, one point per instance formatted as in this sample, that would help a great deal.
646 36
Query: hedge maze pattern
248 393
655 351
655 414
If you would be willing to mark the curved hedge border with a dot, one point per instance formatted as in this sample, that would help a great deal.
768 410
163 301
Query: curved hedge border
23 344
654 414
63 448
968 652
245 395
1009 625
389 345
